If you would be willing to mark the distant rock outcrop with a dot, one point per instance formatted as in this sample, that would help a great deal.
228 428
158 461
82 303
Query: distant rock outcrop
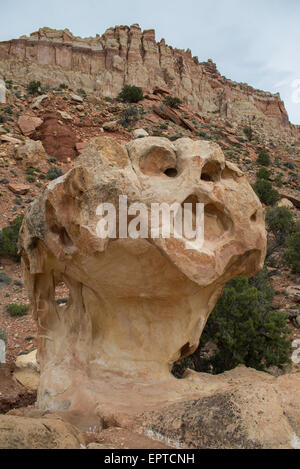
128 55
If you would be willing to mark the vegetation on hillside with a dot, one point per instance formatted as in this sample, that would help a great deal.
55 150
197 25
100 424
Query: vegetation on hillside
17 310
131 94
242 329
265 191
9 238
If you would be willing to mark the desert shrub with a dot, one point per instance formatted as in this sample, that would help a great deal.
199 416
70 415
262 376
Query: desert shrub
262 283
263 159
33 87
4 279
292 252
128 116
63 86
173 138
202 134
280 222
3 335
8 110
8 84
249 133
17 310
131 94
265 192
9 238
278 181
108 99
30 178
53 173
244 330
52 160
263 173
172 102
289 165
30 171
82 92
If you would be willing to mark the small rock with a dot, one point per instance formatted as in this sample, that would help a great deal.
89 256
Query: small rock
2 130
18 283
28 124
111 126
139 133
9 139
80 146
293 292
31 153
19 189
65 115
292 313
36 103
4 278
76 98
285 203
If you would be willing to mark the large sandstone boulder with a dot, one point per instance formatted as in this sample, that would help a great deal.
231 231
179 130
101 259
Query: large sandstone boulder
239 409
28 124
27 370
135 306
31 153
29 433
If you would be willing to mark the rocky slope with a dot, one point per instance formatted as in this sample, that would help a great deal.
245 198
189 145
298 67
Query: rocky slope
128 55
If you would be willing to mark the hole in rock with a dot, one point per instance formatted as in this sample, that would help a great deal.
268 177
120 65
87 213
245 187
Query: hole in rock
254 217
179 367
216 223
157 161
230 174
211 172
171 172
185 351
63 235
193 200
62 294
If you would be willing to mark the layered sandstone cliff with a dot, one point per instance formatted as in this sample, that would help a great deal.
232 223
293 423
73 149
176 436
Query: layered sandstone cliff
128 55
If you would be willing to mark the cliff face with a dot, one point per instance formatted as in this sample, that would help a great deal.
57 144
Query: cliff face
127 55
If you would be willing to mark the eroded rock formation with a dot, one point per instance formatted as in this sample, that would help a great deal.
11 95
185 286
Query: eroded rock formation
135 306
128 55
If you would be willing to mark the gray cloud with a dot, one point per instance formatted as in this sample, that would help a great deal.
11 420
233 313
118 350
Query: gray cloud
251 41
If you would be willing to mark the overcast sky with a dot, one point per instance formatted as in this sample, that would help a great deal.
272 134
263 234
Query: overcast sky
251 41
